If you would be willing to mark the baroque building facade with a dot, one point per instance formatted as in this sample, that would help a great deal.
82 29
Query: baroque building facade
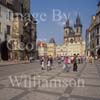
87 39
61 50
94 32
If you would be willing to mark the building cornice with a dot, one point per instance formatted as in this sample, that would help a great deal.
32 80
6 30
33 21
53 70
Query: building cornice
7 5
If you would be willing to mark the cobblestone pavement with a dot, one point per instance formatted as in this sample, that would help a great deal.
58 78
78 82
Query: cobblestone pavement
36 84
7 63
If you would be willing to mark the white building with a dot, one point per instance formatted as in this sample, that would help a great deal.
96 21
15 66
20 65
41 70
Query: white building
61 50
42 48
97 32
93 35
87 43
6 18
71 49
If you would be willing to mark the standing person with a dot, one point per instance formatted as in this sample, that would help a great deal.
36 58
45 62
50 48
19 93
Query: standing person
72 59
69 60
48 64
75 63
42 63
51 62
59 60
87 59
66 64
91 60
62 58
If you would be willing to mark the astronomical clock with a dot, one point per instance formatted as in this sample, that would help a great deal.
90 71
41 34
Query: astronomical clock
15 28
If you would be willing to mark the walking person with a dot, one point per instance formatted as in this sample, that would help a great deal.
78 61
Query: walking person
48 64
75 63
59 60
66 62
51 62
91 60
42 63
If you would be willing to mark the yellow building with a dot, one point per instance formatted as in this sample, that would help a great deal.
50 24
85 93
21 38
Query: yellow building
51 48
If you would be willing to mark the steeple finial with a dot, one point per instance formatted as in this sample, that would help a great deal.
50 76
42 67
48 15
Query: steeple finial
67 24
78 21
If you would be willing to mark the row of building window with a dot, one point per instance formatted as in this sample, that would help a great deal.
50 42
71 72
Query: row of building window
98 41
8 28
96 35
8 14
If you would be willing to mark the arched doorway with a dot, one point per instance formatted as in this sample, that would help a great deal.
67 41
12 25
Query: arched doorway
98 53
4 51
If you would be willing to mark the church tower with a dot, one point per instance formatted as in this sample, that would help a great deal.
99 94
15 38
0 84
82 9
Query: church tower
73 41
78 29
78 26
66 31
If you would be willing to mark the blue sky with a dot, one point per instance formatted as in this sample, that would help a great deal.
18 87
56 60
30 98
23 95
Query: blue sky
52 14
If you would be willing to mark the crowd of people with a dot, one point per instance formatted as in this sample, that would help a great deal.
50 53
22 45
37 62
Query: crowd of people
47 62
68 61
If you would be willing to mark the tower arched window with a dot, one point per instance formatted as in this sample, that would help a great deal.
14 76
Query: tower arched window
97 41
66 31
